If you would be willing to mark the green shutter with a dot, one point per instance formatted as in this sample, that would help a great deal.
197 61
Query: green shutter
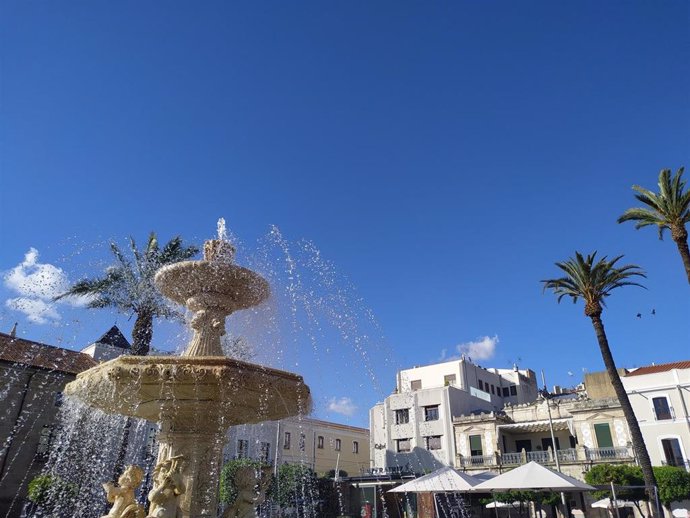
603 433
476 445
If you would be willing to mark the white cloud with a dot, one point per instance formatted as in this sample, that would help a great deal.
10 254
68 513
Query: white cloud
37 284
480 349
343 405
36 310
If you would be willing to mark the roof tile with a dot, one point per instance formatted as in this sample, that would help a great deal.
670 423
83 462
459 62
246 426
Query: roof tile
36 354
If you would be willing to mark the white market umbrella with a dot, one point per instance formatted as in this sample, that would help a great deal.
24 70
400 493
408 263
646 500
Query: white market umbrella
501 505
533 477
442 480
606 503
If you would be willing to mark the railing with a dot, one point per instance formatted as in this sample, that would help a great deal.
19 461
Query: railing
390 470
613 453
567 455
511 458
542 457
478 460
678 463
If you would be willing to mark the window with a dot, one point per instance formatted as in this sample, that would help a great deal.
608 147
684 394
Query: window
44 441
449 380
433 442
431 413
481 384
672 452
662 410
476 445
319 442
355 447
513 390
242 448
286 441
402 416
265 452
403 445
506 392
603 433
416 384
523 444
302 442
337 445
493 389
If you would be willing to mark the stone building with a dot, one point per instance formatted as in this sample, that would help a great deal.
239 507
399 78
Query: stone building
320 445
586 432
34 375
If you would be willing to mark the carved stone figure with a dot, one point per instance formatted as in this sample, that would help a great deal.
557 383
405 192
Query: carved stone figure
250 492
122 495
168 486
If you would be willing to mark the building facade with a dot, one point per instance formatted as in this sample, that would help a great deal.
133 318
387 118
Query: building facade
660 397
413 428
320 445
34 376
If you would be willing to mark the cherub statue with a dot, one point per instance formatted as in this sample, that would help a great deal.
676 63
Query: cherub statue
168 486
122 495
250 492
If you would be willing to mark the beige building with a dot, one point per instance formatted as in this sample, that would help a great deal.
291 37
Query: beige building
321 445
34 375
660 397
586 431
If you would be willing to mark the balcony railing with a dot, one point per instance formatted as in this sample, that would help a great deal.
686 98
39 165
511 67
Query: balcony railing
568 455
613 453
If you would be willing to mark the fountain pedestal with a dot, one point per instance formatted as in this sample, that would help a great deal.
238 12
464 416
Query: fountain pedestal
197 396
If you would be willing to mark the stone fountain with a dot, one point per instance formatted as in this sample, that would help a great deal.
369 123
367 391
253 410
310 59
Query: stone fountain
197 396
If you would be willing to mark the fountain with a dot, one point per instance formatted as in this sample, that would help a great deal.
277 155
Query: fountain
197 396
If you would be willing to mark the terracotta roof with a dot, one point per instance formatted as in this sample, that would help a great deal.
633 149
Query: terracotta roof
35 354
663 367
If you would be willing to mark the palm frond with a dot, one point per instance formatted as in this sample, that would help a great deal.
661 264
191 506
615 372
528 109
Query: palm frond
592 280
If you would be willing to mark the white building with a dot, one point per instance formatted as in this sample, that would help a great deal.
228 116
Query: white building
413 427
111 345
660 397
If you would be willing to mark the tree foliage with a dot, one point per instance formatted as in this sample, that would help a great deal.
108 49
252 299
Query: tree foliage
127 285
44 490
228 491
674 484
297 487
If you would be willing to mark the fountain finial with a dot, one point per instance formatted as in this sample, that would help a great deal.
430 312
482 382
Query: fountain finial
220 249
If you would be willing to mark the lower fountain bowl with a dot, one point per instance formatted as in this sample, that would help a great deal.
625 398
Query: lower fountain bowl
185 390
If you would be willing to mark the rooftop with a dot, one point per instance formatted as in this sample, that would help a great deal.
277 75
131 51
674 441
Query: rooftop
43 356
663 367
115 338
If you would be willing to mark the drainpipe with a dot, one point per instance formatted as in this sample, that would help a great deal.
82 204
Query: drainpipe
10 438
275 463
682 400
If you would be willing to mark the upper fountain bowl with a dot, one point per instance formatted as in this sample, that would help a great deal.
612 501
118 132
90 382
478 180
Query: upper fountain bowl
215 281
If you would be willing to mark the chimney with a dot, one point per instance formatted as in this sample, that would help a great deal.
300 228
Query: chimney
13 333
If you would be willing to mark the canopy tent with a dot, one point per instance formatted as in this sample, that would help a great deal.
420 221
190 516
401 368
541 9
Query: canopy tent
605 503
533 477
442 480
501 505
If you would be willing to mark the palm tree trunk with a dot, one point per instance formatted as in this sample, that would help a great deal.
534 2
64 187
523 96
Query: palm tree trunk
633 425
142 333
684 254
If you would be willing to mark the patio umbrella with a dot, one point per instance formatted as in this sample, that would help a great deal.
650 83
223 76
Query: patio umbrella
605 503
532 477
442 480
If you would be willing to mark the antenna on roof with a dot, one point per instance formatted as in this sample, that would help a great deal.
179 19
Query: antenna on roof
13 332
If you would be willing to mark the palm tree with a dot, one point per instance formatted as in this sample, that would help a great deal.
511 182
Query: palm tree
669 209
593 281
128 286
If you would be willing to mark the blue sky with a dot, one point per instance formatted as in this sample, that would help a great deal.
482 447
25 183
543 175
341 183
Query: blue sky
443 156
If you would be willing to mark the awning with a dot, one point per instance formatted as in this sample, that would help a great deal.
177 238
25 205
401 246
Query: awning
542 426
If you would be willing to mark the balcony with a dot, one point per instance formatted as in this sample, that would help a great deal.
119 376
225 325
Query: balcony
567 456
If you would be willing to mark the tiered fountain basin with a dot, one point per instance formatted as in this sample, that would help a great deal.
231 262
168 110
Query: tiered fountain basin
183 390
197 396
